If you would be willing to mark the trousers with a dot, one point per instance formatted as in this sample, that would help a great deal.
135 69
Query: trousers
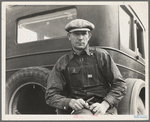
112 111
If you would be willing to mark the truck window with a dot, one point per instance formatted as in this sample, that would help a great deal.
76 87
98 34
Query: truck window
126 29
45 26
140 39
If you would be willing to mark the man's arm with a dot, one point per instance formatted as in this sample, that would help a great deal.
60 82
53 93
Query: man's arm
55 87
77 104
114 78
99 108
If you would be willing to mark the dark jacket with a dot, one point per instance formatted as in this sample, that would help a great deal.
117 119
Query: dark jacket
93 73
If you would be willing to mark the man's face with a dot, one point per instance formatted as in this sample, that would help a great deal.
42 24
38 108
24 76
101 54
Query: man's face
79 39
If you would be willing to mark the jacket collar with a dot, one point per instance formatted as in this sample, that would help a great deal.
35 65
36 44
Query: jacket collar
87 50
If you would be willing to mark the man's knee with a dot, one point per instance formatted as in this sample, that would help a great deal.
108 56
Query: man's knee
83 112
112 111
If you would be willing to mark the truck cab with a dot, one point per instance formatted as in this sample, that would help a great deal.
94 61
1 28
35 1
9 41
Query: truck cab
36 39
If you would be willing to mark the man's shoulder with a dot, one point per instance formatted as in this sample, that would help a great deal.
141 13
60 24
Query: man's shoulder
62 62
99 50
63 58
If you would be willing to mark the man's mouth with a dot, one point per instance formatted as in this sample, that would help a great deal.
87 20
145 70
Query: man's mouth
80 44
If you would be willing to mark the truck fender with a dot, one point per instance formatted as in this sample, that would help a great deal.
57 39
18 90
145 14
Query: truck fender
133 102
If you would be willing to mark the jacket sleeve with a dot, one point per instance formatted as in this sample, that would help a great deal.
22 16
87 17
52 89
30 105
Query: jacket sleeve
55 86
114 78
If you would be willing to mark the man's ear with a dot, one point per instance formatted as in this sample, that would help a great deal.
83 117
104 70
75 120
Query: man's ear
68 34
90 35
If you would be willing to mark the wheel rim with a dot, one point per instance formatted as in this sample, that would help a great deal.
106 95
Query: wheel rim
29 98
140 107
137 106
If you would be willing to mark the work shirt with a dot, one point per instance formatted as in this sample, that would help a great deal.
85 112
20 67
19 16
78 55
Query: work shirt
92 73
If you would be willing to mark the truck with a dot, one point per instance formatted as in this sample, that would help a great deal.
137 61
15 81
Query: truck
36 39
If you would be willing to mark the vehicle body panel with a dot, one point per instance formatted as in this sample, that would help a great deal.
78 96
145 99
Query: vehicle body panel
46 52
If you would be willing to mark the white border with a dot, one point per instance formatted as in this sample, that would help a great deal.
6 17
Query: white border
66 117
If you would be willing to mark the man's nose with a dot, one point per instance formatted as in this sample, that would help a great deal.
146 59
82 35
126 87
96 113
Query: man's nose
80 36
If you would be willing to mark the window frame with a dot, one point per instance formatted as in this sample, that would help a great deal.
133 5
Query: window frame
124 8
136 22
40 14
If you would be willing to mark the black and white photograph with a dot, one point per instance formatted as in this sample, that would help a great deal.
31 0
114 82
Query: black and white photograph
75 60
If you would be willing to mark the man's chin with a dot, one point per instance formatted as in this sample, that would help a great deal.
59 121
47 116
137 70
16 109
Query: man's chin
80 48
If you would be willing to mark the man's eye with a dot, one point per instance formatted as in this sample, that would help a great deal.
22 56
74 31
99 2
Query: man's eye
75 33
81 33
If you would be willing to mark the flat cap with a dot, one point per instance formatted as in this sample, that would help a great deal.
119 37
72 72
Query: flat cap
79 25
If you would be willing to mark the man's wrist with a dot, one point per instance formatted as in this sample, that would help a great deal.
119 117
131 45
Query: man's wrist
71 102
106 104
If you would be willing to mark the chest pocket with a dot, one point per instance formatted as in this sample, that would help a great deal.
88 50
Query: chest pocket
83 76
74 74
91 76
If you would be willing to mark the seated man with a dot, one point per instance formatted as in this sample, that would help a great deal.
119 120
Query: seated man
86 80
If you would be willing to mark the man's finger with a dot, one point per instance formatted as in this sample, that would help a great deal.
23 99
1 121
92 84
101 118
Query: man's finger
82 101
97 113
77 107
92 107
86 105
95 109
80 105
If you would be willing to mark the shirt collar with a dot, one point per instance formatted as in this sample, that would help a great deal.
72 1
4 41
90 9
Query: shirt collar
87 50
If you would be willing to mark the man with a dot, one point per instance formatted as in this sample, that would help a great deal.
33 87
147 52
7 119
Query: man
85 81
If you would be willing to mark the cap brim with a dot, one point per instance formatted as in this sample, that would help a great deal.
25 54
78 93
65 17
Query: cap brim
79 29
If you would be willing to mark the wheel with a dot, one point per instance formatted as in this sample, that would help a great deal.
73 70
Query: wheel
25 92
140 107
137 106
134 101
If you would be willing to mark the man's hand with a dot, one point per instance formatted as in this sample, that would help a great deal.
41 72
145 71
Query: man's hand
77 104
99 108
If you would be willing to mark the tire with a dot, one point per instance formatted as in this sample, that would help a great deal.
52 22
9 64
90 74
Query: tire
134 101
25 92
